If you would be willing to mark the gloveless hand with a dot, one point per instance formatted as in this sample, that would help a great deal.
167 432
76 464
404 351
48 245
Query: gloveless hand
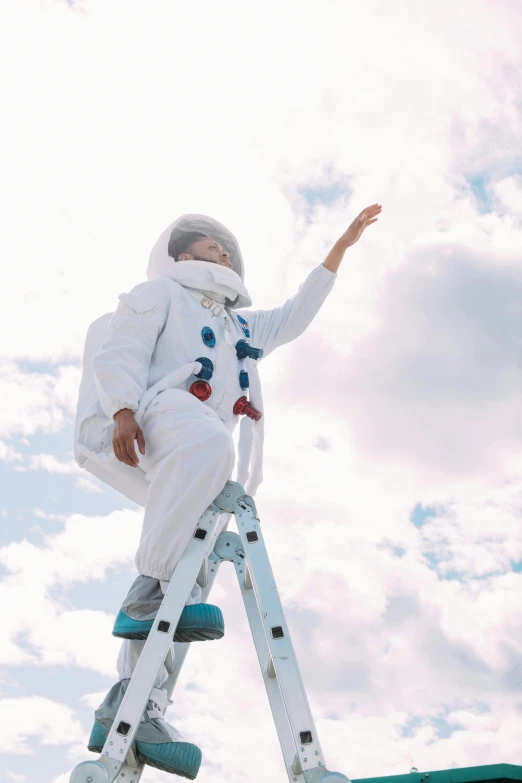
126 431
355 229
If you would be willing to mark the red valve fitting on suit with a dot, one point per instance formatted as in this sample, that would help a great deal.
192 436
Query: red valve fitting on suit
201 390
243 406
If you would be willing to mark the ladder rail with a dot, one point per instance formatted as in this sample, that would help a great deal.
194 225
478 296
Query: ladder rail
206 578
126 722
284 732
180 649
302 752
283 659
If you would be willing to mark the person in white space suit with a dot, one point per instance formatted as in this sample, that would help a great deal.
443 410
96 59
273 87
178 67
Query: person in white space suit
176 372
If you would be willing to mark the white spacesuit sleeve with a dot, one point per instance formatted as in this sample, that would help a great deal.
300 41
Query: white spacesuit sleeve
271 328
121 367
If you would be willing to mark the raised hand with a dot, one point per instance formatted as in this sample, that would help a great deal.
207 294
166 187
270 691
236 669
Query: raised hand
355 229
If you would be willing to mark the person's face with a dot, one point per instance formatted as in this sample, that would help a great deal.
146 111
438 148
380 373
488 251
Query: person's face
207 249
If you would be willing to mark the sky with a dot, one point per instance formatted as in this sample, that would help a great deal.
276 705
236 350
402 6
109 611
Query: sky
392 495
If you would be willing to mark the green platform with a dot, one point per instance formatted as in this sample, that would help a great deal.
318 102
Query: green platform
493 773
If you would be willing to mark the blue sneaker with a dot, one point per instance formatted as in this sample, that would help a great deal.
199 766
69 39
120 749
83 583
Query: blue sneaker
198 623
178 758
156 743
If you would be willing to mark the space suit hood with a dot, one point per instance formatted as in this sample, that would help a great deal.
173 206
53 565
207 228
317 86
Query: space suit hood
202 275
160 261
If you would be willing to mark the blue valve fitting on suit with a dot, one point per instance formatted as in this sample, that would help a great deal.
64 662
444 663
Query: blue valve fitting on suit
207 370
243 380
209 338
245 351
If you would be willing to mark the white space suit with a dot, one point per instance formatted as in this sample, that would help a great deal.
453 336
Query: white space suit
145 357
157 330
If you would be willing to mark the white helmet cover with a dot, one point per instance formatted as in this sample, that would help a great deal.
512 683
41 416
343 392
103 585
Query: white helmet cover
159 260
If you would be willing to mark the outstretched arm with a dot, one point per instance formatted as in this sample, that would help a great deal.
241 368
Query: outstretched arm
350 236
271 328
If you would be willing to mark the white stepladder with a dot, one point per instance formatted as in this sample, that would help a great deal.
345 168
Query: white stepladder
303 757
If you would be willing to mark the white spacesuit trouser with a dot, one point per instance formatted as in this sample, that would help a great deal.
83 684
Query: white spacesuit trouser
189 456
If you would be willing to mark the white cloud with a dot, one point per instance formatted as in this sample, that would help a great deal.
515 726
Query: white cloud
40 514
94 700
36 401
38 627
25 720
10 775
89 486
508 191
8 453
79 637
404 391
51 464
